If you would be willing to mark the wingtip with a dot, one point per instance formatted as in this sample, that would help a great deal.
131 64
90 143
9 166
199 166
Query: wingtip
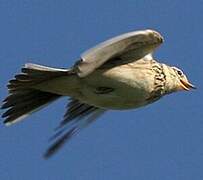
155 33
47 155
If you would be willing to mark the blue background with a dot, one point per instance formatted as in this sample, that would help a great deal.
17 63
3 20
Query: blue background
163 141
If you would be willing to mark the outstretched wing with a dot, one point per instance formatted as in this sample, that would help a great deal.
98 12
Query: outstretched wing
77 116
133 45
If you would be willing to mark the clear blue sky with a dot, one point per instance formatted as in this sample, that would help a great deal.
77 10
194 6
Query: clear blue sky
163 141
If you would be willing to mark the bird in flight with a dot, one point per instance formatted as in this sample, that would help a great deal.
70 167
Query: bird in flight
117 74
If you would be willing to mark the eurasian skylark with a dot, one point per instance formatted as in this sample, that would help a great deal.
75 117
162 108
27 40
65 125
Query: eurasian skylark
119 74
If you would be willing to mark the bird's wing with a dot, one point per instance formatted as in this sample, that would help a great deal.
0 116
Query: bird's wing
133 45
77 116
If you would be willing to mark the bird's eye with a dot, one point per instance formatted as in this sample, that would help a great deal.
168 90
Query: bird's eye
180 73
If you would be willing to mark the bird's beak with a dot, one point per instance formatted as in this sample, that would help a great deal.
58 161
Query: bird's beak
185 85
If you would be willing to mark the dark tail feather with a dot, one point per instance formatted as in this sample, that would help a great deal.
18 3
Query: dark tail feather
23 103
23 99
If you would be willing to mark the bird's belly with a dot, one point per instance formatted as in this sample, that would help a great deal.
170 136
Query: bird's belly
117 99
129 88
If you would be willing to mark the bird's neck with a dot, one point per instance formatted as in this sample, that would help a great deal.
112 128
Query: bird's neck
159 81
171 80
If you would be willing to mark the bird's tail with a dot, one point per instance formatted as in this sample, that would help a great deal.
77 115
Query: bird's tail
23 99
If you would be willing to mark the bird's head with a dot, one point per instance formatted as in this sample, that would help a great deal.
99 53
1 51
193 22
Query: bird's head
176 80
